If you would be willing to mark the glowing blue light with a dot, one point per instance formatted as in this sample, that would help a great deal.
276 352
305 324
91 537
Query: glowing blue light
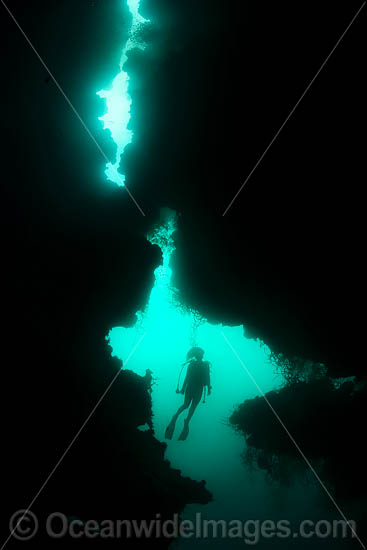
118 100
170 330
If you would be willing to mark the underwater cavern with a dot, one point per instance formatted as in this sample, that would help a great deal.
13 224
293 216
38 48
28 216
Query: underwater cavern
181 206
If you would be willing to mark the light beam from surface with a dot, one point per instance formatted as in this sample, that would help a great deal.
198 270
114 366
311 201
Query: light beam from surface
118 101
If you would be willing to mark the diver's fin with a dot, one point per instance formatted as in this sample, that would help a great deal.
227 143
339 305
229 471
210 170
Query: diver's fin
185 431
170 429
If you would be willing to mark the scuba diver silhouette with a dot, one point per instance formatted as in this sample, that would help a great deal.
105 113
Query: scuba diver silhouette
197 379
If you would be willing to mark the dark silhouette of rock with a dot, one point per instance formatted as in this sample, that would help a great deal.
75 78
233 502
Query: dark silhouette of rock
326 423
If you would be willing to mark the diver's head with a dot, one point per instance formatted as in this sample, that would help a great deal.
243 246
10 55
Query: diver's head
195 353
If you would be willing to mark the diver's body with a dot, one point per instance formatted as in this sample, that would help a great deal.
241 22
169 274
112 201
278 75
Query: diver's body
197 379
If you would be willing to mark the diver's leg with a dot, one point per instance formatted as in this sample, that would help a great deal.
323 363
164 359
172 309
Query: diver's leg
171 426
185 405
195 402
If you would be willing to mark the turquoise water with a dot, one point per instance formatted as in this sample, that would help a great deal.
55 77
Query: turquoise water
162 335
118 101
213 449
241 369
